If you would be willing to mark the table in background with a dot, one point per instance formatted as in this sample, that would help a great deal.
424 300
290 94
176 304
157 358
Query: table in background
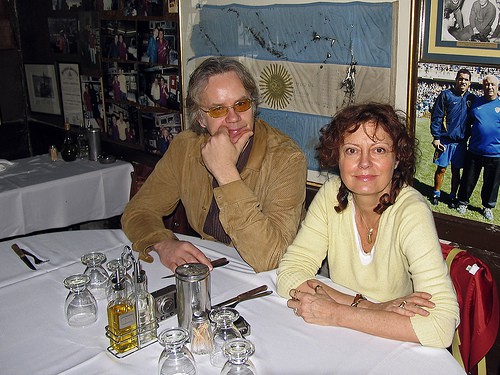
38 194
37 339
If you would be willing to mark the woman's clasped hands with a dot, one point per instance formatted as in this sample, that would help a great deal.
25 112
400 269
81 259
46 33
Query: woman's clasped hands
319 303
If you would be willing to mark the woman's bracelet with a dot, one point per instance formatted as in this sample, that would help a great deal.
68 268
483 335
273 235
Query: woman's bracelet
357 299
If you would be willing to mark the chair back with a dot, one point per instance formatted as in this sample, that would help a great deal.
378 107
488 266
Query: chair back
479 308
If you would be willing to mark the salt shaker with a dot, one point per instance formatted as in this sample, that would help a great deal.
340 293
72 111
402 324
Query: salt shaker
193 292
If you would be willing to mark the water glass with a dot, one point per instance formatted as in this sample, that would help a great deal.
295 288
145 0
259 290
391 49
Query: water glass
225 330
96 272
80 306
238 352
176 358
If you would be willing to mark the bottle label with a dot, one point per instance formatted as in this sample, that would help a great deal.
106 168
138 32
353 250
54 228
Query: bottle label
126 320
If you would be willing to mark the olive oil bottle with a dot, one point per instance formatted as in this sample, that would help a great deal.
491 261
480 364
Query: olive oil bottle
122 325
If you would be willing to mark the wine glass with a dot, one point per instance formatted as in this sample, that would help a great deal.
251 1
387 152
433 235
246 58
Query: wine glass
96 272
225 330
238 352
80 306
176 357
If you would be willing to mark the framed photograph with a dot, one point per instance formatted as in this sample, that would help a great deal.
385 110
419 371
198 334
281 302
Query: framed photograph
173 6
92 101
122 123
42 88
63 35
119 40
159 130
149 8
69 78
462 32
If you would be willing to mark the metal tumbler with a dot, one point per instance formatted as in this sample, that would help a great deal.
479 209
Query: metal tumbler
94 135
193 292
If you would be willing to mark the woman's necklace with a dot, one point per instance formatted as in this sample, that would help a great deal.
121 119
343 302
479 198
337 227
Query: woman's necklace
370 229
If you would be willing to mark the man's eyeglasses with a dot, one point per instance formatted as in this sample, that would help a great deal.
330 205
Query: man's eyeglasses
220 110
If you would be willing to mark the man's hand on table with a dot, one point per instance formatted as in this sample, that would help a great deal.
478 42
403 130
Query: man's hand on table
174 253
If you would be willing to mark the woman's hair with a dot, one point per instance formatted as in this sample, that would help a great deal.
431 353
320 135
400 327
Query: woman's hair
199 80
347 121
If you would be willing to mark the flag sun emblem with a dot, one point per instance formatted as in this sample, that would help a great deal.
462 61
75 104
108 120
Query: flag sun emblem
276 86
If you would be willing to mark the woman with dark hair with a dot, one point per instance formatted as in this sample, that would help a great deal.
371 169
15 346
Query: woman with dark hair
377 234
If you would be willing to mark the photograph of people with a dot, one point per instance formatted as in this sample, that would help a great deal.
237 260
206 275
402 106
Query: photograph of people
468 20
377 233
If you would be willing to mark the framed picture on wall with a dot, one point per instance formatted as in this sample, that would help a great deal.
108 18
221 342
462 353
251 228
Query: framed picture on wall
463 32
173 6
69 77
42 88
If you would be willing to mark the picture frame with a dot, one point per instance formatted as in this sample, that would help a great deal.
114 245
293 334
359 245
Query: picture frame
69 78
173 6
449 38
42 87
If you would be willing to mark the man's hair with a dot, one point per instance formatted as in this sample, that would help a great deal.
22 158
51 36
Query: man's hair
199 80
347 121
495 78
463 71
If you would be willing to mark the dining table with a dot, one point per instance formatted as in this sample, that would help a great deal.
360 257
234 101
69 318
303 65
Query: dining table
36 339
37 193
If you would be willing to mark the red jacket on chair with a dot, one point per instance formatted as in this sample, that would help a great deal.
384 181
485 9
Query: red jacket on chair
479 306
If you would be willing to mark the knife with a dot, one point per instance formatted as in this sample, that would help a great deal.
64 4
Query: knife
23 256
215 263
242 296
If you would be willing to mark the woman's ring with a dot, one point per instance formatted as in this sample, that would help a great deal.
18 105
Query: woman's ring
295 312
402 304
316 288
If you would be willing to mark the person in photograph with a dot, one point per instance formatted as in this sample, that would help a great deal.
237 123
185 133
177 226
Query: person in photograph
121 125
453 8
146 7
123 85
377 233
450 122
92 44
152 49
113 129
62 42
117 92
241 181
155 91
482 15
96 113
495 34
163 93
484 150
113 50
108 5
164 140
481 18
122 48
162 48
129 132
87 102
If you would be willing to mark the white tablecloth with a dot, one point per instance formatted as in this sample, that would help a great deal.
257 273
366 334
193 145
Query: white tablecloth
38 194
37 339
